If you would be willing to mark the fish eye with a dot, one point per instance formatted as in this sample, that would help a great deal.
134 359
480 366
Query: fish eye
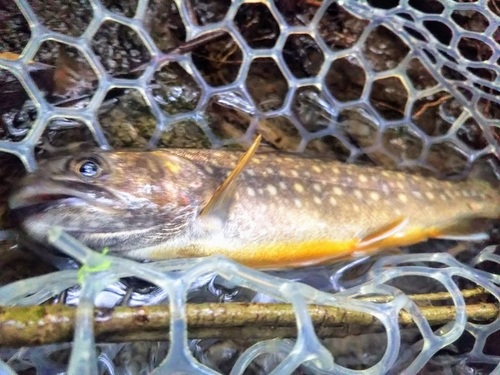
88 168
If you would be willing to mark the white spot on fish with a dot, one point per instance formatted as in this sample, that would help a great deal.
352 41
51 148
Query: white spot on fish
298 203
356 208
374 196
269 170
443 197
417 194
298 187
317 187
209 169
332 201
272 189
336 170
317 200
385 189
429 195
337 190
358 194
316 169
294 173
362 178
474 206
403 198
251 192
250 172
283 185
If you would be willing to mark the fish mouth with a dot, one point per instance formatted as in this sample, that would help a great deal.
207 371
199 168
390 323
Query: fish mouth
18 203
32 198
21 210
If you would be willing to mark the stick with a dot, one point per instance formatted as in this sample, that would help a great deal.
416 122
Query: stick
46 324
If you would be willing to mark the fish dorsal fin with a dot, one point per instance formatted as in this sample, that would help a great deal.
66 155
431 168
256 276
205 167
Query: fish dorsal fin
218 206
383 233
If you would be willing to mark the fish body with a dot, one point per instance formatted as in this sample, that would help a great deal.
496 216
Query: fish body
281 210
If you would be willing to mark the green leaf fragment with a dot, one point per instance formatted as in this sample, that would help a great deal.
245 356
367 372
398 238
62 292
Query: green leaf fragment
103 265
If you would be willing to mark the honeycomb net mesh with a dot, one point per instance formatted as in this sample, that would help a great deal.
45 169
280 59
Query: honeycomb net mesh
404 84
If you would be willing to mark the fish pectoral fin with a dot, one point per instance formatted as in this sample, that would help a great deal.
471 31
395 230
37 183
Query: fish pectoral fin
218 206
467 230
383 234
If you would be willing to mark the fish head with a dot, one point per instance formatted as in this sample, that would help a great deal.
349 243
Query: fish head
98 197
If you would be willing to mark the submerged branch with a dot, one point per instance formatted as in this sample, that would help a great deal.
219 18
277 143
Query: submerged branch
46 324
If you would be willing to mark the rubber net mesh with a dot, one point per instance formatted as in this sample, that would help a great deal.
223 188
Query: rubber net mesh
410 84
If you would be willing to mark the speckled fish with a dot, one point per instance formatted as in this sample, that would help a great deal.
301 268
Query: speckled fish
265 210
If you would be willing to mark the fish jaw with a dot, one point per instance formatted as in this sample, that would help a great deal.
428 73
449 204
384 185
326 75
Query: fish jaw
37 192
40 203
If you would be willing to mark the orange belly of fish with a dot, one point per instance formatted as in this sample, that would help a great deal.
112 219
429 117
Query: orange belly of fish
299 254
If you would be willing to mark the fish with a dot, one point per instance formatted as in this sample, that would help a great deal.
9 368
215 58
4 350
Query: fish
266 210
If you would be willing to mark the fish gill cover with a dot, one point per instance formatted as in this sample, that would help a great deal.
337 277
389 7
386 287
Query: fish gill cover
407 84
